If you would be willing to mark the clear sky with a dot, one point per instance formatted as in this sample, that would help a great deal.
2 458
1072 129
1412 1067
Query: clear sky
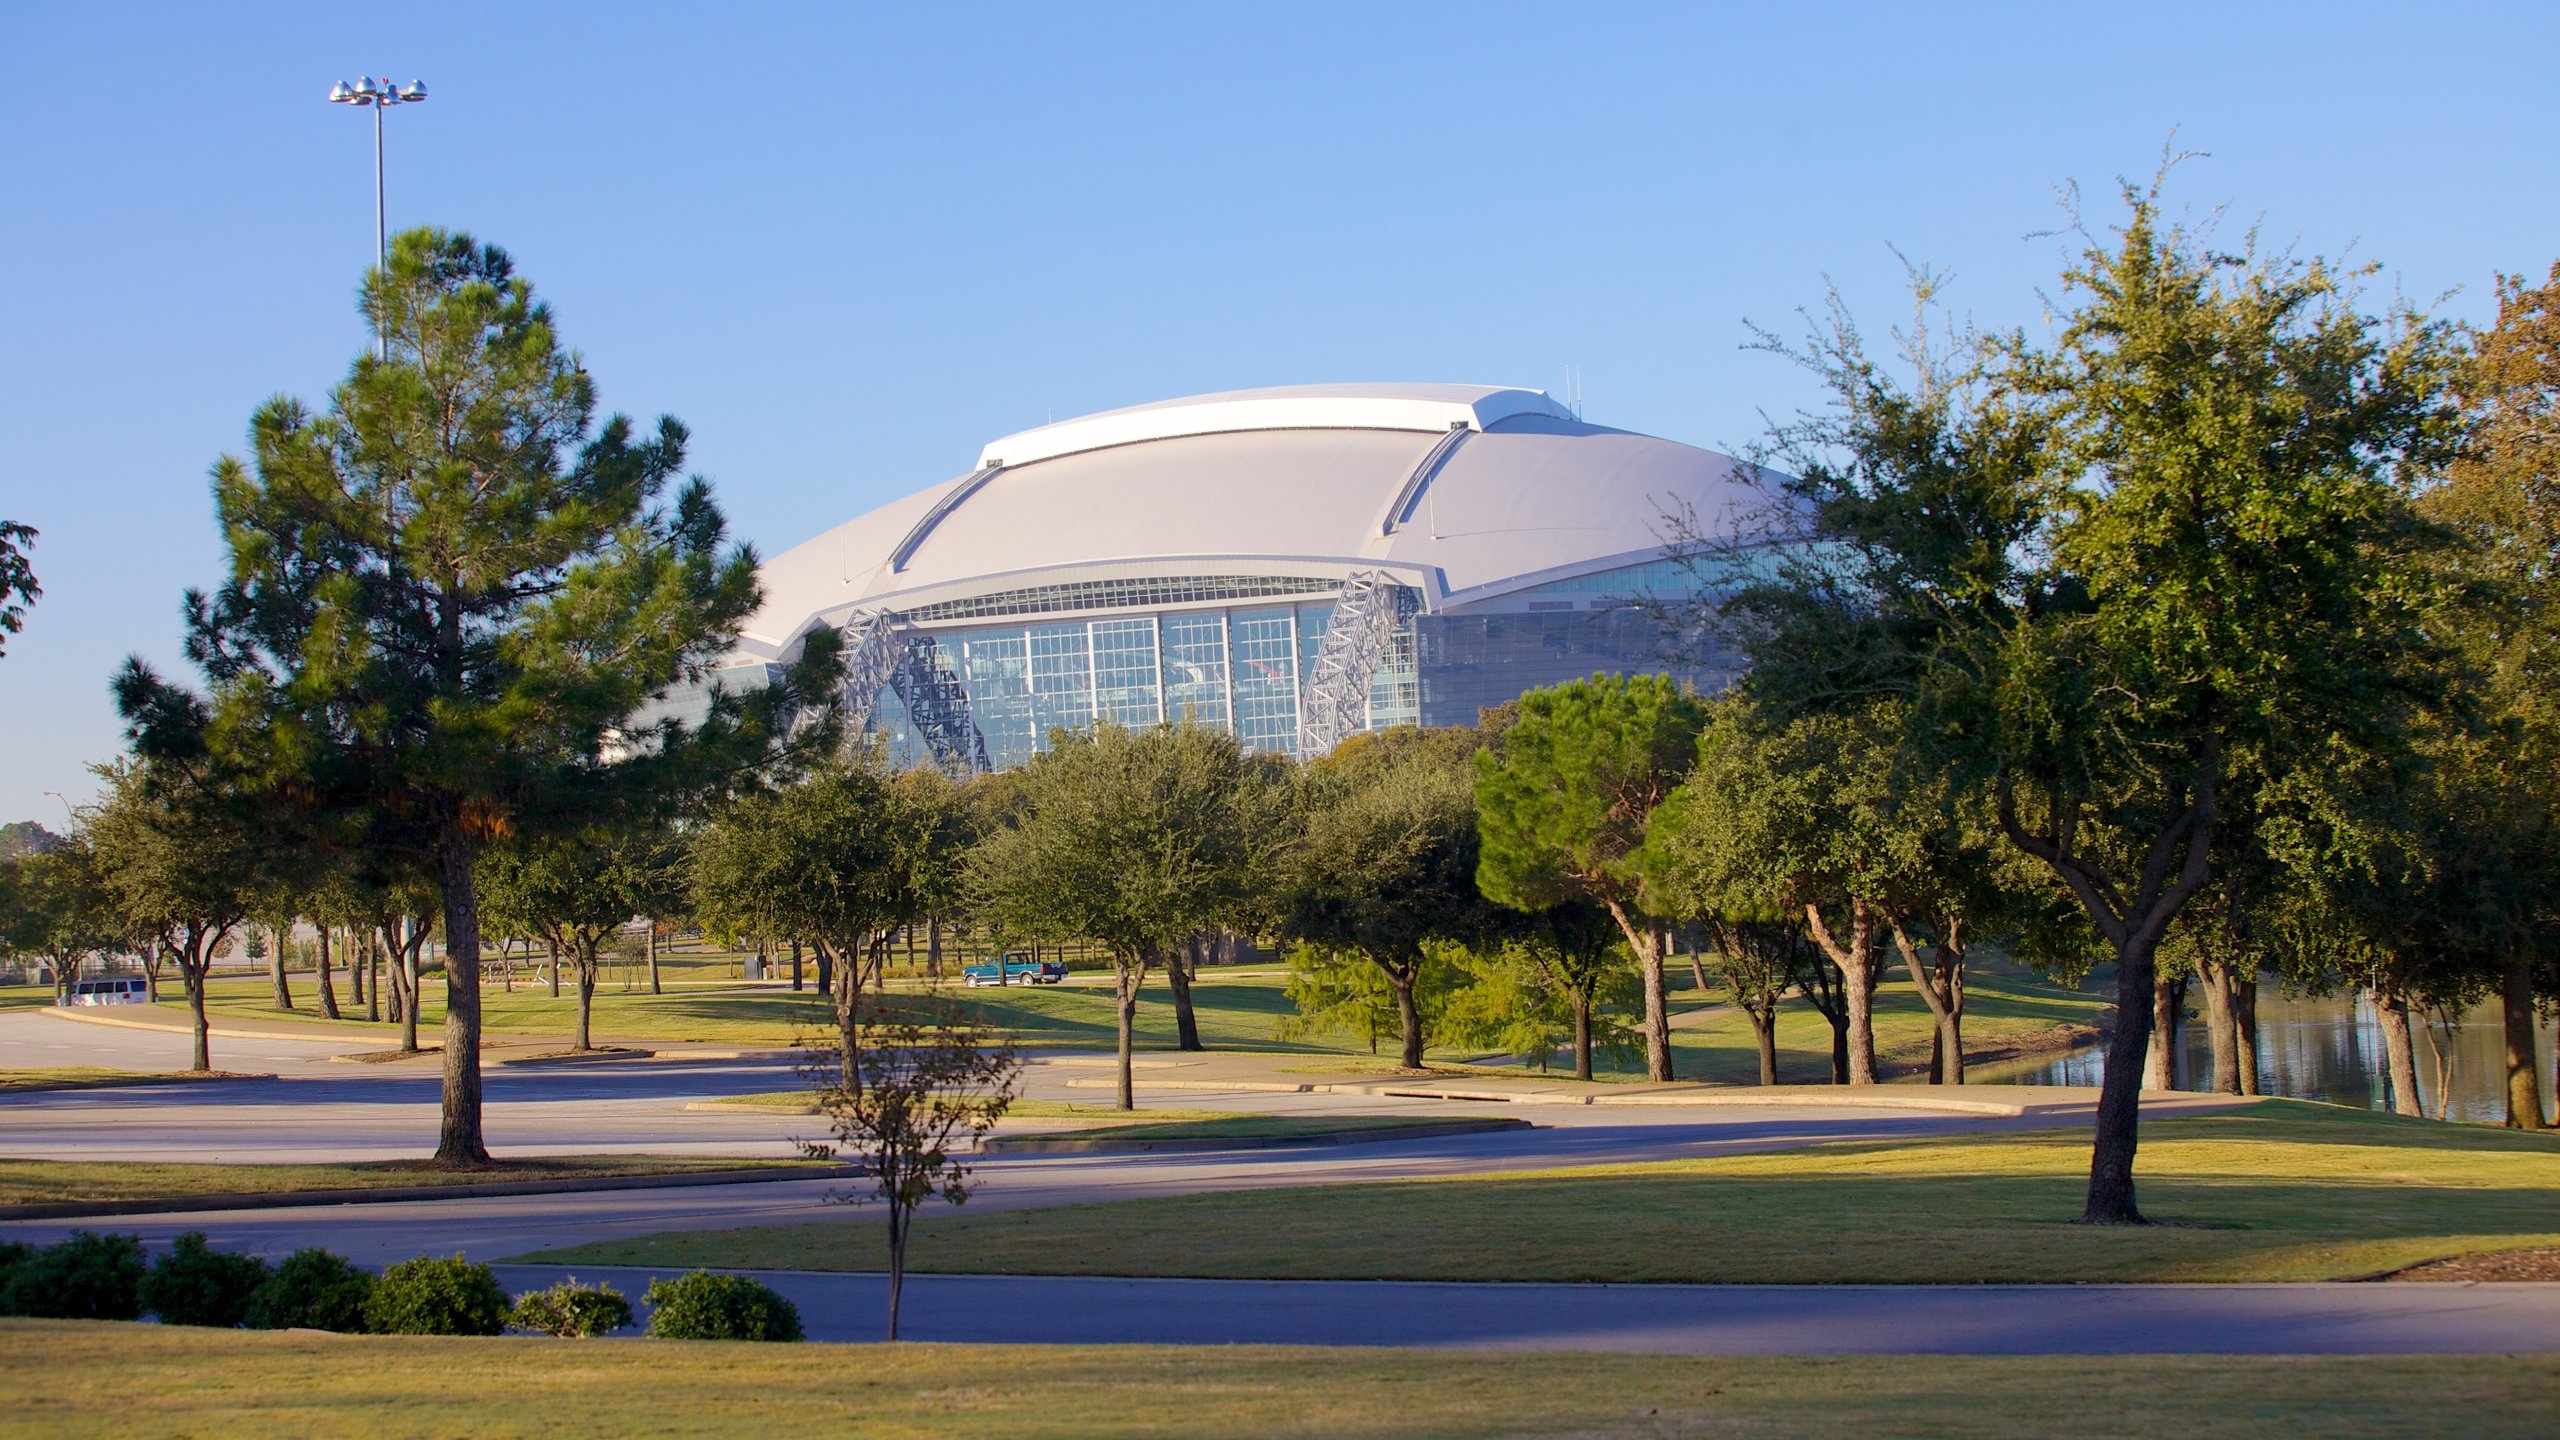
849 244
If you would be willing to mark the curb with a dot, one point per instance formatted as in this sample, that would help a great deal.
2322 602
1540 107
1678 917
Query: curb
590 1057
286 1200
1108 1145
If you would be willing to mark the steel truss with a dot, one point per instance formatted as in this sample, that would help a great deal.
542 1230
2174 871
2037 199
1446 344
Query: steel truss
1335 695
883 652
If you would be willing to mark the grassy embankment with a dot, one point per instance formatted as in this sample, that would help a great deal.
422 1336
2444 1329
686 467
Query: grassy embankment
150 1380
2283 1191
82 1077
31 1182
2005 1007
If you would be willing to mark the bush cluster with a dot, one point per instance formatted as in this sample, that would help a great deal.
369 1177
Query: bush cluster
87 1277
195 1284
704 1306
571 1310
429 1296
93 1276
312 1290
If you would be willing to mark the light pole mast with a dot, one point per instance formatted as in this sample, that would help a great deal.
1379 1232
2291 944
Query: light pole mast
378 97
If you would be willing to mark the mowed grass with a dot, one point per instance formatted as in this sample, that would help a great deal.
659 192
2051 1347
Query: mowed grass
83 1077
2285 1190
34 1182
2005 1007
152 1380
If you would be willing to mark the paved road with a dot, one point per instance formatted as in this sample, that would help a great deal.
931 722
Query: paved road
317 1110
2392 1319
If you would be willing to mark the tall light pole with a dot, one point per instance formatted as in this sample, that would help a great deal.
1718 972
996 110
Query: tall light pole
379 96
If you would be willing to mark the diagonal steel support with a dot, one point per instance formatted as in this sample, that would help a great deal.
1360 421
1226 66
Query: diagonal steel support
1336 701
938 703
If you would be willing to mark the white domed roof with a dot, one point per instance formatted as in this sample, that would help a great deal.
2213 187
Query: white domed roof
1462 491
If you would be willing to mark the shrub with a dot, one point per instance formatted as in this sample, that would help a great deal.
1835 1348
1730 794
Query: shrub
311 1290
428 1296
571 1310
13 1253
87 1277
195 1284
704 1306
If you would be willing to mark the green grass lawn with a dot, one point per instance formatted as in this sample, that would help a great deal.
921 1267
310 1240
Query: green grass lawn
2283 1191
2006 1005
28 1182
81 1077
154 1380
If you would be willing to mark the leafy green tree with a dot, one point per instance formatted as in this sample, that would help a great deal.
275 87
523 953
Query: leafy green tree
2502 494
18 587
1383 862
181 867
1558 980
53 903
1563 800
838 860
450 597
2124 577
1133 839
576 892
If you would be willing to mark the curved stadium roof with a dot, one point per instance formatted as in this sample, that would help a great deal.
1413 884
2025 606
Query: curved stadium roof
1467 492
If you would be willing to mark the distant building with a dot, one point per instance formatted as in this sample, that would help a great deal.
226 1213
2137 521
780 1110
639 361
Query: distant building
1294 565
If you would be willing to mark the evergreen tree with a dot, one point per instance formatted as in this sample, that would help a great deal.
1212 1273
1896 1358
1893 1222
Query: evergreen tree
449 597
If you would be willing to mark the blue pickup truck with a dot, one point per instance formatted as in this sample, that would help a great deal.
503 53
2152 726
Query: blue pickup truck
1015 970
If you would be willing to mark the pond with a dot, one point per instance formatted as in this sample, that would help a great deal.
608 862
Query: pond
2321 1048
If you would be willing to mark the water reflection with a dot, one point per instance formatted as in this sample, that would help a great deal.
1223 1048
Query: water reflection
2321 1049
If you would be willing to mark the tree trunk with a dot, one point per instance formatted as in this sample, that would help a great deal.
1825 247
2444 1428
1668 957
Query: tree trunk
460 1140
2244 1025
275 969
933 948
654 988
1186 1025
2524 1071
1646 942
2167 1005
2111 1198
798 976
2391 1014
1859 974
1408 1014
192 972
410 943
1581 1034
328 989
1764 1030
586 1005
373 984
826 969
1941 1014
1698 969
151 962
897 1262
2222 1026
1127 976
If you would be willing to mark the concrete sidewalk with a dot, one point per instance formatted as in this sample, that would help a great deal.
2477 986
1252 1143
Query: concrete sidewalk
2312 1319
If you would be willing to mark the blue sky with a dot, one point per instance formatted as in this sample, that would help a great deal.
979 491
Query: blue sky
847 245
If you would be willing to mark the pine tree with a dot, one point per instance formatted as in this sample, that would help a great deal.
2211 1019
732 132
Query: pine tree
449 595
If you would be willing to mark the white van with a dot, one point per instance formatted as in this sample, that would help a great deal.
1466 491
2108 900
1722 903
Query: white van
125 990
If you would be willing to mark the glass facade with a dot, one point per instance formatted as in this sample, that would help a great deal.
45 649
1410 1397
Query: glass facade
1243 667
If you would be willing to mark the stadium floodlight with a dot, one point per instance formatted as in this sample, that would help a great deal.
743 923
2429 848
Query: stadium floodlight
378 98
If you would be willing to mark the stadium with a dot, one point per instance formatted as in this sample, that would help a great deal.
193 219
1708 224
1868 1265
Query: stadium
1294 565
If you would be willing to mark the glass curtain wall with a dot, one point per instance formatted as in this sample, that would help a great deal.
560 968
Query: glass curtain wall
1241 670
